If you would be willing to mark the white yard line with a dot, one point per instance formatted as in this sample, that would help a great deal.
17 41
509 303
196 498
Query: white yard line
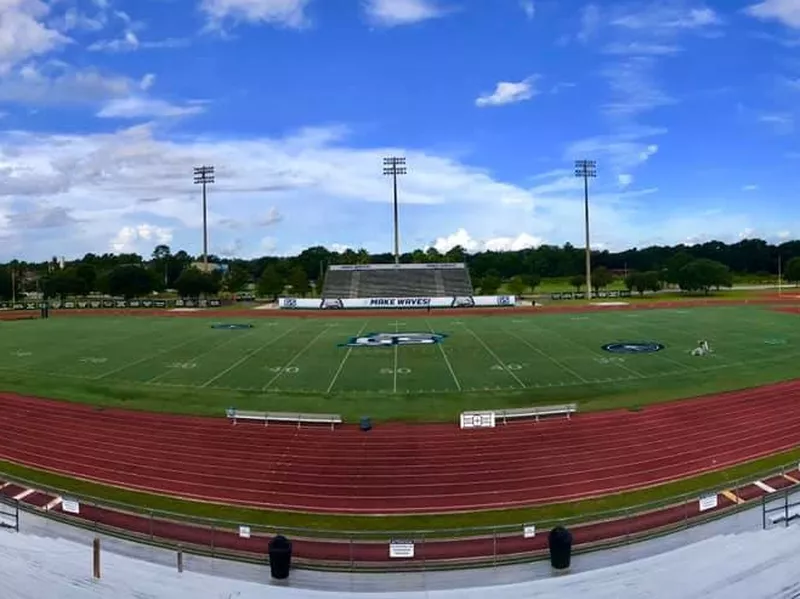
495 356
558 363
146 358
246 357
200 355
396 330
344 360
446 359
297 355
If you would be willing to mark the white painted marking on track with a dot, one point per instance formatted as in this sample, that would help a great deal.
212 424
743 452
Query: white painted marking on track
4 485
344 359
764 486
23 495
53 504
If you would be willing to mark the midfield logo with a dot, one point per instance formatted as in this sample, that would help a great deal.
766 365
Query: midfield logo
392 339
633 347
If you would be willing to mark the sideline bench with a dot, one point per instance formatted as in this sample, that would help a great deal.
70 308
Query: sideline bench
536 412
266 417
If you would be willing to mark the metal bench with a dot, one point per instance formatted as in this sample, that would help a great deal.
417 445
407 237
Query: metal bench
536 412
266 417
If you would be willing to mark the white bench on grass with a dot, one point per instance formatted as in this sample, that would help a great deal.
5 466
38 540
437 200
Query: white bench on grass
267 417
536 412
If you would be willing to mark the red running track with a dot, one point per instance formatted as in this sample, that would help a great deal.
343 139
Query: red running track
396 469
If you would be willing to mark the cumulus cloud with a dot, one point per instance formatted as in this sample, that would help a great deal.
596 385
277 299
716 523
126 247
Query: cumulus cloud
284 13
508 92
391 13
784 11
133 189
23 34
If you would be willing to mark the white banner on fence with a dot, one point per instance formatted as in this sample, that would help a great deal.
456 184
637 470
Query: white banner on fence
244 532
70 506
708 502
529 531
401 549
477 419
333 303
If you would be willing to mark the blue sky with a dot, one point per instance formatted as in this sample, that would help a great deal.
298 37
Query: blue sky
689 108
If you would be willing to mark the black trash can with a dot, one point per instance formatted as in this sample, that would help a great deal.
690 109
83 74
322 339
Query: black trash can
365 424
560 541
280 557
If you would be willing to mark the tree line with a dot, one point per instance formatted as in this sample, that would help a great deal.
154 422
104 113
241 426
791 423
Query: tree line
691 267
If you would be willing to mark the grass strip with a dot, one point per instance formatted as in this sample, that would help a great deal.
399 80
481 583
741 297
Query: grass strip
321 524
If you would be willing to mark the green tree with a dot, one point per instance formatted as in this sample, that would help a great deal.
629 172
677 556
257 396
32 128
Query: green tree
130 280
703 274
6 289
792 271
193 282
577 281
601 278
643 281
63 283
236 279
299 281
516 286
87 275
490 284
532 280
271 283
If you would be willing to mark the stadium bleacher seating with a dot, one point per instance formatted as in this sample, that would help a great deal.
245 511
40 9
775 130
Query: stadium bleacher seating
390 280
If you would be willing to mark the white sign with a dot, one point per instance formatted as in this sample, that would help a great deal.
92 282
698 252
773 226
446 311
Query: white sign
396 302
708 502
529 531
70 506
401 549
244 532
484 419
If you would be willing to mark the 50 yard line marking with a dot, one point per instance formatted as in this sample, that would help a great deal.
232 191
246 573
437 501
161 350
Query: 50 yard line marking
446 359
494 355
344 360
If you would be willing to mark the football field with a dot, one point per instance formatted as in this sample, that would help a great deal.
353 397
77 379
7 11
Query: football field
414 367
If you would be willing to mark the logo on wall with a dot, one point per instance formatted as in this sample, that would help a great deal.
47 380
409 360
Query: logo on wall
290 302
333 303
466 301
392 339
633 347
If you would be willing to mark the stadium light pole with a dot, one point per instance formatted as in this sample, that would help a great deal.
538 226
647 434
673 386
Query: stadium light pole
394 166
204 175
586 169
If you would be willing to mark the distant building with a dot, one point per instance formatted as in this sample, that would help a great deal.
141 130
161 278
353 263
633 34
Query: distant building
223 268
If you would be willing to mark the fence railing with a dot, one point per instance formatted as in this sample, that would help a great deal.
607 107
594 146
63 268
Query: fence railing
371 548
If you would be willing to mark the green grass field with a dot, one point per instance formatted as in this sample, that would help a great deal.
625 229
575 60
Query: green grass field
183 365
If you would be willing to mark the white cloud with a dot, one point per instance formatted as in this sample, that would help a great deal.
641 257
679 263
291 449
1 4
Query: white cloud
390 13
528 7
589 22
661 17
130 42
641 48
134 188
781 123
138 107
283 13
785 11
22 33
496 244
621 152
750 188
633 88
509 92
624 180
56 83
139 238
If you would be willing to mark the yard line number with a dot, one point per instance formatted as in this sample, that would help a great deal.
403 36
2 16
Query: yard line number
609 360
285 369
398 371
507 367
182 365
93 360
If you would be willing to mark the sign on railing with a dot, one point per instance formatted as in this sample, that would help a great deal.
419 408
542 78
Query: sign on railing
401 549
708 502
484 419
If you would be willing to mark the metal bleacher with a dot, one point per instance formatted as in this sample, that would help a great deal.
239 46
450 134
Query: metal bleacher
397 280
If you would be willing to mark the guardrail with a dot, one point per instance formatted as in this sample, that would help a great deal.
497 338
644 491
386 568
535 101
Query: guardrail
353 550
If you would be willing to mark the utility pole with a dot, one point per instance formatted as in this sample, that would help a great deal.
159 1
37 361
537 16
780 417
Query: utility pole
204 175
586 169
394 166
